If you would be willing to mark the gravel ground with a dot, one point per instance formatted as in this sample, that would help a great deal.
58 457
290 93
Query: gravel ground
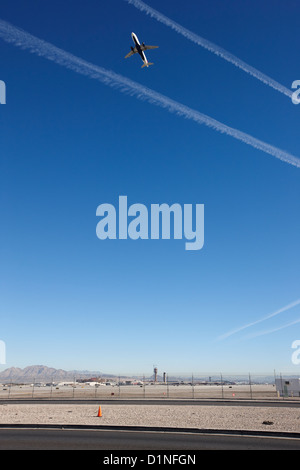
204 416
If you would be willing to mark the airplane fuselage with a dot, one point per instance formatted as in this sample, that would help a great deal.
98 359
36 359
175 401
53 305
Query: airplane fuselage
138 47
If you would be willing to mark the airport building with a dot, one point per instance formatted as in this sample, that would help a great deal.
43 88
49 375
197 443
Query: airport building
288 387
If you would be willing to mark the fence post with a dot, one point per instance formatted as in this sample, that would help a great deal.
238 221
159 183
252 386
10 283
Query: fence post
281 381
193 391
250 386
222 386
275 381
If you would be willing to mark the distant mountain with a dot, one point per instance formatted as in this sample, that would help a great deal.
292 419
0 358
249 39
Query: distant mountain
39 373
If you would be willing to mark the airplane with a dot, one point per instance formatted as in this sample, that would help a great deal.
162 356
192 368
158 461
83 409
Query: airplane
140 48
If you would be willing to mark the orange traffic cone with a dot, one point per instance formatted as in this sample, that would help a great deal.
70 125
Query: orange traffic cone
99 412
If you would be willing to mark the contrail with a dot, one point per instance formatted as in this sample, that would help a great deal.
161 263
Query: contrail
281 310
267 332
24 40
210 46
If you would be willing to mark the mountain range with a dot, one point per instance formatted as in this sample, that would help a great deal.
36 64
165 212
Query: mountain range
40 373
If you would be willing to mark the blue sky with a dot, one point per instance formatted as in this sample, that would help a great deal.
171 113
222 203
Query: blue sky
69 143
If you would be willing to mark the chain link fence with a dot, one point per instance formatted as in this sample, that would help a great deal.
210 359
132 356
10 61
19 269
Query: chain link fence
195 387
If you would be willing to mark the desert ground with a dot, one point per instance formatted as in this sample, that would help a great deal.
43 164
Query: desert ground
178 416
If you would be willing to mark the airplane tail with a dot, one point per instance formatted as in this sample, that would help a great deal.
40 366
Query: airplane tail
147 64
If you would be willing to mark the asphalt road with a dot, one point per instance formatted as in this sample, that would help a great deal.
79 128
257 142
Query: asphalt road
78 439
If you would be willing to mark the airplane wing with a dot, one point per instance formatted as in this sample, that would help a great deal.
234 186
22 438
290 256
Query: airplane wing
133 51
146 48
